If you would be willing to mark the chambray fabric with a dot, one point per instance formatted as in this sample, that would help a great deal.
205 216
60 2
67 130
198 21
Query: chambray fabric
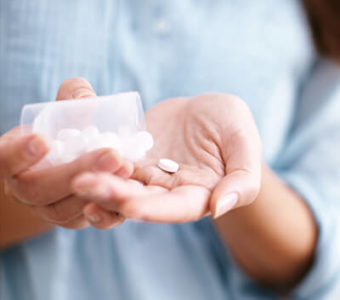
260 50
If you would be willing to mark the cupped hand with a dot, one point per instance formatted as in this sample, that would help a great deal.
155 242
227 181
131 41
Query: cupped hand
214 139
48 191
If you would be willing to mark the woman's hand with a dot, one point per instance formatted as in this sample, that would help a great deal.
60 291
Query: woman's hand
47 192
215 141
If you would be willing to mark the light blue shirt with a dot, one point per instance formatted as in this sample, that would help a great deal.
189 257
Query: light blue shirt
259 50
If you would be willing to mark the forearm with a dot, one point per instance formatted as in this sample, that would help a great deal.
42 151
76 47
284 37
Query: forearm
17 223
274 238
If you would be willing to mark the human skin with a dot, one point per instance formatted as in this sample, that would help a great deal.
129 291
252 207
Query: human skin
33 201
269 230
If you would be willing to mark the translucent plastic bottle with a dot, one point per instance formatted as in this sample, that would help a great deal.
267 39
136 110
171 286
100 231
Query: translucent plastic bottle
75 127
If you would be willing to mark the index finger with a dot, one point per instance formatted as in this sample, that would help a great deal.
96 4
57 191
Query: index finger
46 186
147 203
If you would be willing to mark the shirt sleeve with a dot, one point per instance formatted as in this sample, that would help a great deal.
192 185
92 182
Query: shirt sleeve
310 164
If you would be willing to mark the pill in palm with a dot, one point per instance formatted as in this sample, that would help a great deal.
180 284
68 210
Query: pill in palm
168 165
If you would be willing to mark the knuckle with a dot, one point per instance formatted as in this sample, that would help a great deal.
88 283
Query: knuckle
52 214
33 196
26 194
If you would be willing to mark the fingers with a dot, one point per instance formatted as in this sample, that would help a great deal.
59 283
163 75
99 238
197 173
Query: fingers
78 223
237 189
18 154
46 186
63 211
102 188
102 219
150 174
147 203
242 182
75 88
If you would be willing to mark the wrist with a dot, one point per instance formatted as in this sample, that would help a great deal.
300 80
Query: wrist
17 222
273 238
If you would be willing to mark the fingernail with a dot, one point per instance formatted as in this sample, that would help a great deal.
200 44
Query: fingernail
94 218
83 93
226 204
106 162
121 218
119 222
35 147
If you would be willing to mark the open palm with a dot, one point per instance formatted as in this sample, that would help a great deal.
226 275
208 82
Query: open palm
215 141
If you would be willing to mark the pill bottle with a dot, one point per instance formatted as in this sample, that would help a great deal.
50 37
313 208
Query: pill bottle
75 127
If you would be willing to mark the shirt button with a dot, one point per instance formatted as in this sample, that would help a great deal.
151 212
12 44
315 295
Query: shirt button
162 27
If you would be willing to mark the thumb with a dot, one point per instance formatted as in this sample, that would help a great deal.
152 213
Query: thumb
237 189
75 88
242 183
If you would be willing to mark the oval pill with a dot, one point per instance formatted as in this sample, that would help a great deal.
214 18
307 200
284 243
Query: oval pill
168 165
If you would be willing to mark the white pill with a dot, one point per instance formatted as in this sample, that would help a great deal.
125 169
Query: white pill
145 139
132 149
67 133
168 165
112 139
56 152
106 140
124 131
76 145
91 132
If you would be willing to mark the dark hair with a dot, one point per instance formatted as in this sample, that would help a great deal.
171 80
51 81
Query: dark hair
324 18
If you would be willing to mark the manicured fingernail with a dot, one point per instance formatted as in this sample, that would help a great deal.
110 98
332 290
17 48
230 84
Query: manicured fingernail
94 218
83 93
225 204
106 162
35 147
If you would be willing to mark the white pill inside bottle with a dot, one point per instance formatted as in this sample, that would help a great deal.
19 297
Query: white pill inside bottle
145 139
56 152
67 134
90 132
74 141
